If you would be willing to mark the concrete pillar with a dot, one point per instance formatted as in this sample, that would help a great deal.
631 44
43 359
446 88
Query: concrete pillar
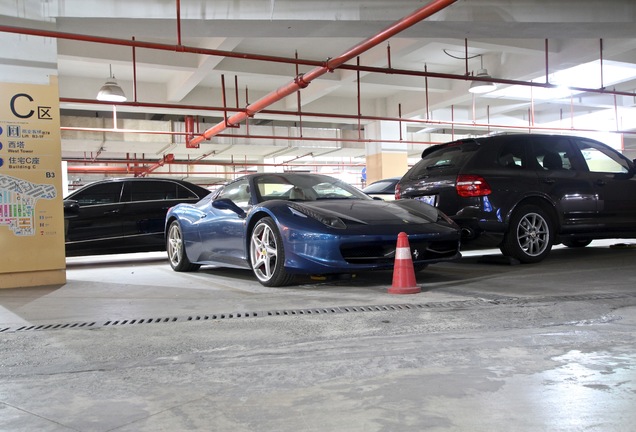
385 159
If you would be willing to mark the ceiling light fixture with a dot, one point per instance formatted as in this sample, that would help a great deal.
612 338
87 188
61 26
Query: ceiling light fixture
110 91
482 86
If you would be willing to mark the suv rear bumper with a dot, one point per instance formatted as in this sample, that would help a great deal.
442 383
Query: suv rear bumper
474 228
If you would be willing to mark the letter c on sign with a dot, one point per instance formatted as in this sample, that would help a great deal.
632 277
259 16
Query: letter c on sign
15 113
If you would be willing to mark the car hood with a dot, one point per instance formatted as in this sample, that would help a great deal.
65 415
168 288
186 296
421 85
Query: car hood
376 211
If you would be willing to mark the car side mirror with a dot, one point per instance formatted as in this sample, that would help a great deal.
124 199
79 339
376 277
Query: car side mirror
71 207
228 204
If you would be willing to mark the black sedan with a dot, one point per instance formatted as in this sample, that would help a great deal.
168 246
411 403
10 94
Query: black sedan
123 215
384 188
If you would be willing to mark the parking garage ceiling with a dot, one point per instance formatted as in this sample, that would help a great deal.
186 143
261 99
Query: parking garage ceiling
557 65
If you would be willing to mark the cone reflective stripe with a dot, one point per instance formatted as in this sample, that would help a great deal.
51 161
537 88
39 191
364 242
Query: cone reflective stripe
403 272
403 253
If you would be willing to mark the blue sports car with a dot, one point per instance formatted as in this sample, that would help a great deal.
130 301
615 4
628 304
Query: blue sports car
280 225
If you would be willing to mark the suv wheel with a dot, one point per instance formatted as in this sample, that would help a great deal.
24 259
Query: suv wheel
529 236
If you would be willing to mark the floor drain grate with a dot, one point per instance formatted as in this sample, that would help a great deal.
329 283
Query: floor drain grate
319 311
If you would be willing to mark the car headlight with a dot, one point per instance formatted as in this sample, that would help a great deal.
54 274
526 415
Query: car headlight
326 219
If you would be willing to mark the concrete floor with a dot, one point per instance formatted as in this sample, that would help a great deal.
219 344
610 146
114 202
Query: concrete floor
128 345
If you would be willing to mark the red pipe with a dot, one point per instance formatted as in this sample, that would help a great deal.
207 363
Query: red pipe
164 160
547 68
189 129
102 169
154 45
134 64
301 81
178 4
429 122
276 59
211 163
359 100
601 62
426 121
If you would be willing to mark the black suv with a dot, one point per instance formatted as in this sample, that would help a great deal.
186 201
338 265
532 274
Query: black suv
527 192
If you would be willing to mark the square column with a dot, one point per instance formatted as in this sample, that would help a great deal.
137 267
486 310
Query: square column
385 159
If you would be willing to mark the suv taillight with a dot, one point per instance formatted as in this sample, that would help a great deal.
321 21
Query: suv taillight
398 192
472 186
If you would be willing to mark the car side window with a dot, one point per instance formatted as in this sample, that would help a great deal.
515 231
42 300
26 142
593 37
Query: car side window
151 190
553 155
99 194
185 193
511 155
239 192
156 190
600 159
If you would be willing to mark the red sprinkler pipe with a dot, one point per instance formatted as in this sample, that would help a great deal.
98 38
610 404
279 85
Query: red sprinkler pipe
301 81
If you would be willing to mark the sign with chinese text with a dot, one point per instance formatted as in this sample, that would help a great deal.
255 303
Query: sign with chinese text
31 209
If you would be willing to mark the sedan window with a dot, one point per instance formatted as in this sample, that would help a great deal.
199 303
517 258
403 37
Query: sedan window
98 194
156 190
151 190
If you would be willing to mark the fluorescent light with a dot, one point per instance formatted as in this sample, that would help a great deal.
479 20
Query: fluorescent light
587 75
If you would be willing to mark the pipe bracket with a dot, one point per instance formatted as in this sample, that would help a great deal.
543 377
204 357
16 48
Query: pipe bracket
300 82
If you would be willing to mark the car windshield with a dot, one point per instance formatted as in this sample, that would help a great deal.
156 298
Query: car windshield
304 187
387 186
447 157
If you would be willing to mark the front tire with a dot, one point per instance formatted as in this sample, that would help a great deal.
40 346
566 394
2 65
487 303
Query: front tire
176 250
267 254
529 237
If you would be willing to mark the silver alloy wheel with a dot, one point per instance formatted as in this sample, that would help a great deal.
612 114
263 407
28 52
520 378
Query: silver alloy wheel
175 245
263 252
533 234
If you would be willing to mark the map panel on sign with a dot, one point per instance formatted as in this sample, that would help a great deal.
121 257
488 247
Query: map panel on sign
18 199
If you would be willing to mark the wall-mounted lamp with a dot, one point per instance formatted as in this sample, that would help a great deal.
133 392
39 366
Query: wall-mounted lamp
482 86
110 91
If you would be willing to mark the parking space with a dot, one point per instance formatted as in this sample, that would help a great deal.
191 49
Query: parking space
134 286
129 345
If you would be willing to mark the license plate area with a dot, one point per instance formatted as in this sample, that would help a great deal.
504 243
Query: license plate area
428 199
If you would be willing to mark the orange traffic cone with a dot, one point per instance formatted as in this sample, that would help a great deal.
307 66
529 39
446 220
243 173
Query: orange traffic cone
403 272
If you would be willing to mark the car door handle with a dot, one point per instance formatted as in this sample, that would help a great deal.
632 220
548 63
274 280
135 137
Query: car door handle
600 182
112 211
548 181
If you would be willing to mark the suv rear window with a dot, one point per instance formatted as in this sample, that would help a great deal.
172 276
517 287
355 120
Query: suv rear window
449 157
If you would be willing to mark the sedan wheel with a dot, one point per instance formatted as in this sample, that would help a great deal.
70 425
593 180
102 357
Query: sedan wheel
267 255
529 236
176 250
